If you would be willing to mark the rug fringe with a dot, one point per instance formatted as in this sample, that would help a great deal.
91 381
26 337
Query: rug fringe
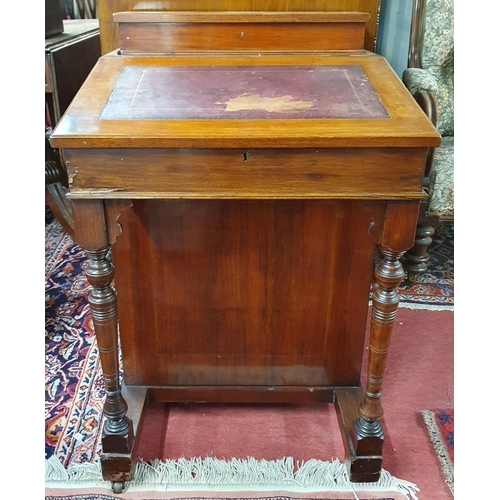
441 451
213 473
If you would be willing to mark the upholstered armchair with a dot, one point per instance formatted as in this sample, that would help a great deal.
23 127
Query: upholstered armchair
430 79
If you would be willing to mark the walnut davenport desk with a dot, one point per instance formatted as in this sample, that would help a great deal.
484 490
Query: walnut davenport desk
231 175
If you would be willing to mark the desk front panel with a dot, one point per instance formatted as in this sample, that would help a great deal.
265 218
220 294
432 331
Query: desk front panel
244 292
246 173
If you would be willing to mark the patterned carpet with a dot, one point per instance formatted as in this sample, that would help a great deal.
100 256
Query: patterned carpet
73 379
434 289
441 427
74 387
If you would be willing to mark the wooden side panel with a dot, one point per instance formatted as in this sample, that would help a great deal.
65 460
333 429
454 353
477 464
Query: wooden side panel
150 38
257 173
244 293
109 29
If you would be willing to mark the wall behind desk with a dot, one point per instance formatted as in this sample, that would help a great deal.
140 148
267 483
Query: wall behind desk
394 33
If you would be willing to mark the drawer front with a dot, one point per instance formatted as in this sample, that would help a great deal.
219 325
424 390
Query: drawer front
363 173
184 32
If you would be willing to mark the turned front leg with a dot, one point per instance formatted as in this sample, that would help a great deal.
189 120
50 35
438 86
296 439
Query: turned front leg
102 301
95 233
367 433
359 411
117 434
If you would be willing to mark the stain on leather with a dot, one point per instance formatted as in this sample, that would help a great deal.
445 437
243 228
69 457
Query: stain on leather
281 104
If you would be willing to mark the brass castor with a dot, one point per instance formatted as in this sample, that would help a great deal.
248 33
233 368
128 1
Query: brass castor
117 486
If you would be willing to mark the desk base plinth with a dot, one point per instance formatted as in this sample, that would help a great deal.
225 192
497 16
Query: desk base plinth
116 459
363 462
119 467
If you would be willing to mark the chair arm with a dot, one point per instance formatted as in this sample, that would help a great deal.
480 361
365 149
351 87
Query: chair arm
423 87
418 79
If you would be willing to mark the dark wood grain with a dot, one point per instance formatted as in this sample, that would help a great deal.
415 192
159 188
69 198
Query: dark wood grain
233 287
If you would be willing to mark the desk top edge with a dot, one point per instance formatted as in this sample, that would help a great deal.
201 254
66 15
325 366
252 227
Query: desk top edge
238 17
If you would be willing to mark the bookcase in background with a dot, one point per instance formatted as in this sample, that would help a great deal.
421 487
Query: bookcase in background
69 57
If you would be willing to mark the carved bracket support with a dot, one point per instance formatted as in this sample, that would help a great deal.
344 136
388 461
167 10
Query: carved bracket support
114 208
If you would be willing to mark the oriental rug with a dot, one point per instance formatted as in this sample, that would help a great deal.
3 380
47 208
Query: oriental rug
433 289
440 424
75 388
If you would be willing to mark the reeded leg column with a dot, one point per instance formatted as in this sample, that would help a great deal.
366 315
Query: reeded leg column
117 440
367 432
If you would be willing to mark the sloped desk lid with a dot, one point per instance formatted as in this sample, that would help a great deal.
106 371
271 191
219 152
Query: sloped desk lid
269 101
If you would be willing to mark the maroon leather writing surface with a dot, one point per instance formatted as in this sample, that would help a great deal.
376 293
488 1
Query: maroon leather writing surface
244 92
